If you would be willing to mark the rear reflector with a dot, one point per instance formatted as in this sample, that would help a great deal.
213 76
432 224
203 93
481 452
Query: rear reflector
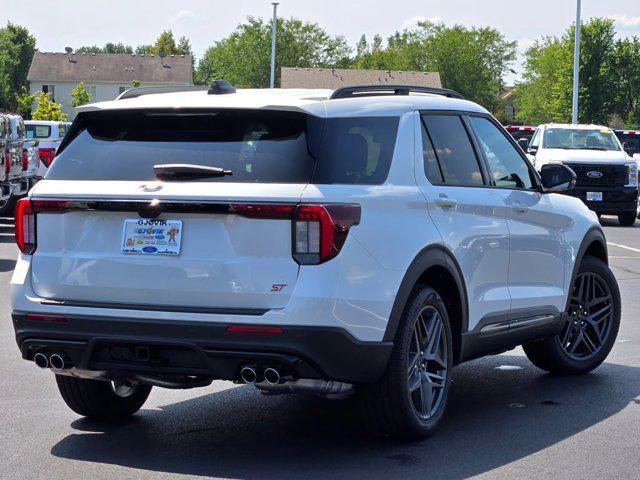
25 159
7 161
25 226
36 317
253 329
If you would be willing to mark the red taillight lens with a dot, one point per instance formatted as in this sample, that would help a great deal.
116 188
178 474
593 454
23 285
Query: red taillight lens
25 220
36 317
319 231
25 159
7 161
263 210
47 155
25 226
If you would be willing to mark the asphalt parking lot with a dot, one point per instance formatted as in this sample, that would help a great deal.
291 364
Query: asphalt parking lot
506 419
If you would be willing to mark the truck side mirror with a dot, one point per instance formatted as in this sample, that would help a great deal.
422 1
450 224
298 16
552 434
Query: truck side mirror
557 177
532 150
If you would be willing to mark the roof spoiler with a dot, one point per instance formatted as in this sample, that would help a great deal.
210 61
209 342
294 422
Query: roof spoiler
218 87
355 91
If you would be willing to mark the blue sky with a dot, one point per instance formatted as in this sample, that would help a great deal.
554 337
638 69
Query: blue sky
57 24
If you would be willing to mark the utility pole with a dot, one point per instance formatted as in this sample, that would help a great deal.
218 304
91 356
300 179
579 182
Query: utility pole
272 79
576 66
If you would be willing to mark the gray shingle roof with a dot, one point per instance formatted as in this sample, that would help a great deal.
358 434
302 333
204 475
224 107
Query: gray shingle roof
109 67
339 77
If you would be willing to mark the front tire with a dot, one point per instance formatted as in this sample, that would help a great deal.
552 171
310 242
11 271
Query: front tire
593 320
410 399
100 399
627 219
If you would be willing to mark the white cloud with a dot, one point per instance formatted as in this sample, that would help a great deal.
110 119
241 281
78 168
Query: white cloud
413 21
623 21
183 15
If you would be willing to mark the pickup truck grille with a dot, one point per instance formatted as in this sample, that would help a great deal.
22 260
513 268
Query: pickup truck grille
612 175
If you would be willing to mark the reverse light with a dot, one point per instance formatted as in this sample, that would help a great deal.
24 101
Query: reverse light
632 168
319 231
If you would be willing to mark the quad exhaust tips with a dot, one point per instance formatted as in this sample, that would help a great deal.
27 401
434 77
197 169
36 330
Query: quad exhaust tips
41 360
248 375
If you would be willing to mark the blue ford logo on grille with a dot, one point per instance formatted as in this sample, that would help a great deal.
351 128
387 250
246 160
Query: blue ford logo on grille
594 174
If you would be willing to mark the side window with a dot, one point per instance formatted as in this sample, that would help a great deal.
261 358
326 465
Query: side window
506 167
431 167
451 146
535 140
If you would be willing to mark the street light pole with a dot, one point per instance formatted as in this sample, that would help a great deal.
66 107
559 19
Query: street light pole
272 79
576 66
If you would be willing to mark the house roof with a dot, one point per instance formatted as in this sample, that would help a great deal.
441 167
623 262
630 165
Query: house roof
292 77
109 67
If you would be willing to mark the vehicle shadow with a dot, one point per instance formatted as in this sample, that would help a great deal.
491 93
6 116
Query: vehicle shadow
609 221
501 409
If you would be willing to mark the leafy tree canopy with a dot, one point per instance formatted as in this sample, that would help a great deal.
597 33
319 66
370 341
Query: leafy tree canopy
47 109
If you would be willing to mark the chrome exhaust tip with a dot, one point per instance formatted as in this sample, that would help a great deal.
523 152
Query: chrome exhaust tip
56 361
272 376
248 375
40 359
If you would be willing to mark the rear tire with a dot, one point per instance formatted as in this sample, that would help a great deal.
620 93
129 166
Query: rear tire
627 219
410 399
586 339
98 399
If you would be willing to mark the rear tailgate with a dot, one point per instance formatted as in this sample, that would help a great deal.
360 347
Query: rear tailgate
222 260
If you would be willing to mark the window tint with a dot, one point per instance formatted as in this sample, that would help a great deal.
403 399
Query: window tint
431 167
257 146
456 158
506 166
356 150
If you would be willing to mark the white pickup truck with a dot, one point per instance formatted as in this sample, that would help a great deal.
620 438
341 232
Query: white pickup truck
607 176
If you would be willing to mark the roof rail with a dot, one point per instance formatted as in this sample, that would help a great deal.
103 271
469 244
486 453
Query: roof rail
139 91
378 89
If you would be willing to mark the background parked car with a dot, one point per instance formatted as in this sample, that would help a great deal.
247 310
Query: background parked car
630 140
520 131
19 157
50 135
5 158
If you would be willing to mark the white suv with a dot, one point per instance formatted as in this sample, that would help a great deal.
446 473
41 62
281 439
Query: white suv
361 240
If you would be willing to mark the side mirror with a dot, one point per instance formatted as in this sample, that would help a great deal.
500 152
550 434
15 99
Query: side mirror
524 144
628 148
532 150
557 177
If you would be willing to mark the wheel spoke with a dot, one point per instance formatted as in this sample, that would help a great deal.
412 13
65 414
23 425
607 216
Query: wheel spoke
589 343
435 336
414 380
426 395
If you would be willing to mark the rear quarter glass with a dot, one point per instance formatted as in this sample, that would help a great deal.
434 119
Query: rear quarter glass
258 146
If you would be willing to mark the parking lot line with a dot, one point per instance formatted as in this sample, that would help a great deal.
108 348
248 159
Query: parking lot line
624 246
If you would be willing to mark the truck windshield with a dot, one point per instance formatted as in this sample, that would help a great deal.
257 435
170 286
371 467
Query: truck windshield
580 139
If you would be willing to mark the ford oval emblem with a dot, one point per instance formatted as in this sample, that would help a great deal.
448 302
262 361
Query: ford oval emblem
149 249
150 187
594 174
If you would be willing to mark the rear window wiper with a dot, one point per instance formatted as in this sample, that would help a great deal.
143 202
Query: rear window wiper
187 171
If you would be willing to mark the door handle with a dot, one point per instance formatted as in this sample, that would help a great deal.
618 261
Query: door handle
446 202
520 210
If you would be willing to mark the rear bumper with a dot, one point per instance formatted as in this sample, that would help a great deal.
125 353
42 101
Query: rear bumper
615 200
114 345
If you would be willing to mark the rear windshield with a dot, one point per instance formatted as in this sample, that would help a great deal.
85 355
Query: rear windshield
256 145
38 131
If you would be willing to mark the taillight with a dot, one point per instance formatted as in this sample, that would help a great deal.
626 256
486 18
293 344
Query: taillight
25 159
25 226
47 155
25 220
319 231
7 161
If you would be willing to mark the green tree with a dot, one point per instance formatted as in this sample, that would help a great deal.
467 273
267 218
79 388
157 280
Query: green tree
136 83
243 57
626 84
24 103
545 92
17 47
47 109
80 96
109 47
472 61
